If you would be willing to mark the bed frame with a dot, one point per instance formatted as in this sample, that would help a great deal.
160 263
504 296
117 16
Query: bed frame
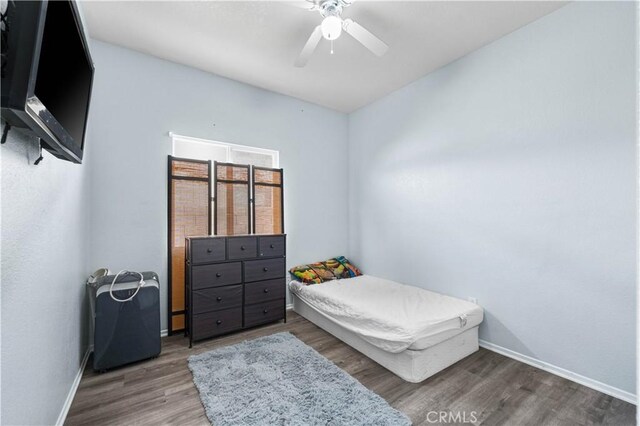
411 365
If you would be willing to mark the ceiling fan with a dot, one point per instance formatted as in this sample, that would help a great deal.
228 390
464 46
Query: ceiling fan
332 26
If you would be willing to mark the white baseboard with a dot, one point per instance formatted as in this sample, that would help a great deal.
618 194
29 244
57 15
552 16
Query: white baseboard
558 371
289 307
74 388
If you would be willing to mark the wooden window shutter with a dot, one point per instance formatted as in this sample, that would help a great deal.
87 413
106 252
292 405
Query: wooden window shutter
268 200
189 205
232 215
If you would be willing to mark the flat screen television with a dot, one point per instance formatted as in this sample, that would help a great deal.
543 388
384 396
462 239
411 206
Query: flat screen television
47 74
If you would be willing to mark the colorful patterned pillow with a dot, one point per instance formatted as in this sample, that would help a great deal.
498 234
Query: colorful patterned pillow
322 271
337 268
315 273
351 269
305 274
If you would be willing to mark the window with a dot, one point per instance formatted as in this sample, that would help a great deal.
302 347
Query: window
233 214
203 149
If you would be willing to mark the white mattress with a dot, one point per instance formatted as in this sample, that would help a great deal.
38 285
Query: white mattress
412 366
391 316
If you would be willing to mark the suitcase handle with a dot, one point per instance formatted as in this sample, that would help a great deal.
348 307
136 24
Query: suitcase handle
141 284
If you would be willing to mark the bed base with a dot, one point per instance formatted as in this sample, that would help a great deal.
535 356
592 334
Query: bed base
410 365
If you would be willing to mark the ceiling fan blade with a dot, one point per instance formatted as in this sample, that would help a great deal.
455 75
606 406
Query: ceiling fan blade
367 39
309 5
309 47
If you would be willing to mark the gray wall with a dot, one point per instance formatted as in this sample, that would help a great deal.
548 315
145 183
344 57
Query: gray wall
138 99
510 176
44 256
44 245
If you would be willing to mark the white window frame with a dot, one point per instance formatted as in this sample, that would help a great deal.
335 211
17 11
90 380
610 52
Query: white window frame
228 146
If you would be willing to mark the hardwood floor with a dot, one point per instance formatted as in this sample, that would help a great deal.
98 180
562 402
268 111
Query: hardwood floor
498 390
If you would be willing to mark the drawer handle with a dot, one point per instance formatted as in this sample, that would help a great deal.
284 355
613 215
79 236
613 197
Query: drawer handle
209 250
266 290
219 299
242 248
265 269
271 246
265 311
218 275
218 322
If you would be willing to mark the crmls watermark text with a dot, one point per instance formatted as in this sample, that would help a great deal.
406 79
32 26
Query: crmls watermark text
451 417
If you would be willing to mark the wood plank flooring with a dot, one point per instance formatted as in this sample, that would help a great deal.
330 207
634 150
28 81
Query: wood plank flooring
500 391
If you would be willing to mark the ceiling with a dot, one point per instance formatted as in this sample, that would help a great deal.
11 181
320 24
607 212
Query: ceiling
257 42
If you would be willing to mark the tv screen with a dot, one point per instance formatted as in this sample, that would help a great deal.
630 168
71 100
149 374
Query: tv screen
47 74
63 82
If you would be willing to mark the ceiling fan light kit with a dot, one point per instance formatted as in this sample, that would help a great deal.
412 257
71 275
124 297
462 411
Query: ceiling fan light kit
331 28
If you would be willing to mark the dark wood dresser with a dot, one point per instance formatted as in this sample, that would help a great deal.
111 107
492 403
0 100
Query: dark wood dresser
233 283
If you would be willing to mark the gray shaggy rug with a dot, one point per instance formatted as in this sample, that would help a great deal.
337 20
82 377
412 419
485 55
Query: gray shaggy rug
278 380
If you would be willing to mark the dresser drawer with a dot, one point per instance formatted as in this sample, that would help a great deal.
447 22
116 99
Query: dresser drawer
271 246
242 248
259 270
207 250
261 291
216 275
217 322
261 313
217 298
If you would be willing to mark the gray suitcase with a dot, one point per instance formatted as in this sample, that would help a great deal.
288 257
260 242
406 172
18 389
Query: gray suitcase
125 332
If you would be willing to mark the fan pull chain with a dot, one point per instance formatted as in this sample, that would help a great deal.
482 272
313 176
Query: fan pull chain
332 47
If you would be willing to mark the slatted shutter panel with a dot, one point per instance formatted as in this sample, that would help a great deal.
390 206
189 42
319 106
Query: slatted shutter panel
232 215
268 200
189 215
